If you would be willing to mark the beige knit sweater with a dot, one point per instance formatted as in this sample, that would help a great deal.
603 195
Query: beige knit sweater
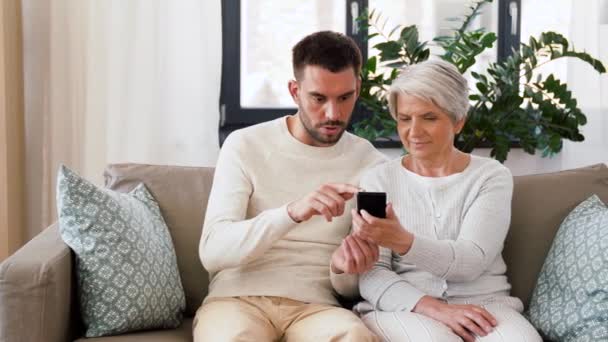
250 245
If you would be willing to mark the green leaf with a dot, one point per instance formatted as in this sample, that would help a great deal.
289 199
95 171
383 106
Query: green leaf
481 87
585 57
388 50
390 34
371 64
528 72
488 39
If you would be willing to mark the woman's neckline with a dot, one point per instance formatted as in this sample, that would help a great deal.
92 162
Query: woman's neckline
451 175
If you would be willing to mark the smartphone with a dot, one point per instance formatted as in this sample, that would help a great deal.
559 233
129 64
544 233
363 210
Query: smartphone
373 202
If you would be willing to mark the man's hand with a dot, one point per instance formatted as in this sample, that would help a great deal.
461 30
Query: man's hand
464 320
328 201
354 256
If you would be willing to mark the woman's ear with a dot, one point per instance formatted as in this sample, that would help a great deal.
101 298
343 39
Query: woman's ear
459 125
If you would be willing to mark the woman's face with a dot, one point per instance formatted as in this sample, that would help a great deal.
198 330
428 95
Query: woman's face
426 131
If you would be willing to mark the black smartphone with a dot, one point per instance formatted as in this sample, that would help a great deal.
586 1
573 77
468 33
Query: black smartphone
373 202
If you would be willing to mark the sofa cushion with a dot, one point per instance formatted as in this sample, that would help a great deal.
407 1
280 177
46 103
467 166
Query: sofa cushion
182 194
182 334
570 299
540 203
125 262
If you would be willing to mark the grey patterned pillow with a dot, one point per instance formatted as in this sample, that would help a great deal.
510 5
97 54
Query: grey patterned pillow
125 261
570 300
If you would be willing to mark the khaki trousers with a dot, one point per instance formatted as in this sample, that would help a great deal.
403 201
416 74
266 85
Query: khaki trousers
276 319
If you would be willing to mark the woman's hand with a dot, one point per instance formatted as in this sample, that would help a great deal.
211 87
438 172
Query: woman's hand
464 320
386 232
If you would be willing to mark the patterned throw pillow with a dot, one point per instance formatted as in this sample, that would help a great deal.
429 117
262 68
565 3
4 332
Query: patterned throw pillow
570 300
125 261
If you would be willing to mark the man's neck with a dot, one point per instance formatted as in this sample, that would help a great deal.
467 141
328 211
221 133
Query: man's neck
297 130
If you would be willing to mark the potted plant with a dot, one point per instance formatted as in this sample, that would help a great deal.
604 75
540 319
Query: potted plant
510 106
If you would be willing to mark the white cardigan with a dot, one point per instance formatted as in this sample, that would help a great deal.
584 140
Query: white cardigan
459 222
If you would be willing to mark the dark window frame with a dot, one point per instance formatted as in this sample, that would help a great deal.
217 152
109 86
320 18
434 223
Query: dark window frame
233 116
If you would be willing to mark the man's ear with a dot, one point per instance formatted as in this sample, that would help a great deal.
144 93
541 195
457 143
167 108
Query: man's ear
293 87
358 92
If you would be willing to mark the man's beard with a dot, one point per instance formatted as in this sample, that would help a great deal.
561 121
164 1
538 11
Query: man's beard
319 137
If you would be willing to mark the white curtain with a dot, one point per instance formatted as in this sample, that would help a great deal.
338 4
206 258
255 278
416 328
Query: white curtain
589 32
111 81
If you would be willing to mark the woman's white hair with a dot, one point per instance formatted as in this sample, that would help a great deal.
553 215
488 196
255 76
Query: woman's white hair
436 81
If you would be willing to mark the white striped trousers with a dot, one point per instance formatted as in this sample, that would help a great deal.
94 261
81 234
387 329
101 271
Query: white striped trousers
412 327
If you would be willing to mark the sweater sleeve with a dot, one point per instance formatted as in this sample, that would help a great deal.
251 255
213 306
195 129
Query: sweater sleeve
346 285
481 237
229 240
385 289
382 286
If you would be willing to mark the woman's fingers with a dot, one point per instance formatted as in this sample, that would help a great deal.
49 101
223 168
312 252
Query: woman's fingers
362 229
462 332
486 314
472 326
357 219
390 212
480 321
372 220
465 320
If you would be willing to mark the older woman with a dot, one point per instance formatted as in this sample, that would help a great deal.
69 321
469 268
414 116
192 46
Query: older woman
440 276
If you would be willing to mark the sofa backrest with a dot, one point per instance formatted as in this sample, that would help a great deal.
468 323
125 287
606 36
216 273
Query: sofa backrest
182 194
540 204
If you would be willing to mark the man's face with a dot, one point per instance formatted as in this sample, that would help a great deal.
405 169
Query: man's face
325 103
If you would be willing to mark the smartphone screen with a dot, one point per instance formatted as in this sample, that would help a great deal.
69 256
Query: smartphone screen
373 202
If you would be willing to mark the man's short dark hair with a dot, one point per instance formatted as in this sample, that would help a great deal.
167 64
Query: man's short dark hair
331 50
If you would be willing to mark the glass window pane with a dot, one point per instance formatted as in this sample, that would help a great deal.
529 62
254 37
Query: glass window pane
436 18
269 29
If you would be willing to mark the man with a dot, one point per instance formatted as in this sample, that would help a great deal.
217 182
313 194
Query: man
276 217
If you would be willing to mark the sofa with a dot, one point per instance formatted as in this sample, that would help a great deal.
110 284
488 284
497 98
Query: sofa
37 283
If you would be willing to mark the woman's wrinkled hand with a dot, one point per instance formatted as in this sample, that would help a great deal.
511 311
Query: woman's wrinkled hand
464 320
386 232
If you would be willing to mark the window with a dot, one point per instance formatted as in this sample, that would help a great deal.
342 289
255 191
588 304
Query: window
258 36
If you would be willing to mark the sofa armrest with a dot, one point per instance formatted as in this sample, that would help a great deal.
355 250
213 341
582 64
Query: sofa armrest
36 291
